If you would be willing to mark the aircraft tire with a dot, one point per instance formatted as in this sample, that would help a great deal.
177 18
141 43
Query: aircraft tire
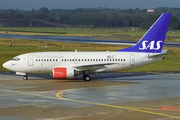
25 77
87 78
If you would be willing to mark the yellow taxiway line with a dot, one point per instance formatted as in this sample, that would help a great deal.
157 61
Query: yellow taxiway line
114 106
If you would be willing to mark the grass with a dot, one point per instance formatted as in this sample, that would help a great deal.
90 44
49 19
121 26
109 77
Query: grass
20 46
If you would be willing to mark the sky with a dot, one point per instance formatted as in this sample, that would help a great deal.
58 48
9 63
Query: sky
73 4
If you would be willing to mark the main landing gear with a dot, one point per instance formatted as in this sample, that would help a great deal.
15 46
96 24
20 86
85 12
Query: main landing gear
25 77
86 77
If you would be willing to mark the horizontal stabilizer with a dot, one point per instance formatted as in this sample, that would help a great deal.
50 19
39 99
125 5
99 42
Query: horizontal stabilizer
164 52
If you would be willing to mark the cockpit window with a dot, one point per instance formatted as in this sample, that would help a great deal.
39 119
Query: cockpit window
16 59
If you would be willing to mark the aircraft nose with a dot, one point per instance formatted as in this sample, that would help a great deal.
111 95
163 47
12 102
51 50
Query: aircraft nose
6 65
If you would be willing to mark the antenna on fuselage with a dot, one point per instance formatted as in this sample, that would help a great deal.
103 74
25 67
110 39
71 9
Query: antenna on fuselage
63 47
9 45
76 50
45 47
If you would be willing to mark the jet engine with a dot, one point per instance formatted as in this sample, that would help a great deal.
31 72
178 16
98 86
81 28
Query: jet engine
63 72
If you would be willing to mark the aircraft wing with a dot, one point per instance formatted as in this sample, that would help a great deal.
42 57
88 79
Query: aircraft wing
93 67
164 52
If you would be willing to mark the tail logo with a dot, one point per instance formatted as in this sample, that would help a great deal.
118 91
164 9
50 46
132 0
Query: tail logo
151 46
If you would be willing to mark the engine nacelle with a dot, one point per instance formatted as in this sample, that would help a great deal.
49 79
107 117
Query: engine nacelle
63 72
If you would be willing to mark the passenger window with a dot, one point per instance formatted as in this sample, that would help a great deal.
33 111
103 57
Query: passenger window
64 59
56 59
104 59
47 59
107 59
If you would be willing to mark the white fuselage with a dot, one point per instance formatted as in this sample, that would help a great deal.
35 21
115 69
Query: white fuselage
44 62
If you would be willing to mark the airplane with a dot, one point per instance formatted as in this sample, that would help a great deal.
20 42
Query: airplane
66 65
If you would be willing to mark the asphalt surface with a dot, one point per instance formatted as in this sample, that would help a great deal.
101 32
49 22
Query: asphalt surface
137 96
80 39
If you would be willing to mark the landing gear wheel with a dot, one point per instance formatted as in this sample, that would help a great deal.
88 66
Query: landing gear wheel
86 77
25 77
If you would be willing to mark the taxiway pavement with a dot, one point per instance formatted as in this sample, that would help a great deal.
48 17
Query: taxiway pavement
125 96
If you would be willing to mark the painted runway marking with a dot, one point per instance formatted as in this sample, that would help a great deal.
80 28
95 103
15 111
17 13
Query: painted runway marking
158 108
114 106
58 97
169 108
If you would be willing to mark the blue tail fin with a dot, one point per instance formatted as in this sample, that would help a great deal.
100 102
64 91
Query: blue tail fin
154 38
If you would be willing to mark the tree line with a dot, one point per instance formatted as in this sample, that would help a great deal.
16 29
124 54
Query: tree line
96 17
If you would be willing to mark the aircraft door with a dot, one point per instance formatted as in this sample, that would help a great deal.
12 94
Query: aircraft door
30 60
132 60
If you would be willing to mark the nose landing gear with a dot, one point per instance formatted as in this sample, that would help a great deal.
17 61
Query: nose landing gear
25 77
